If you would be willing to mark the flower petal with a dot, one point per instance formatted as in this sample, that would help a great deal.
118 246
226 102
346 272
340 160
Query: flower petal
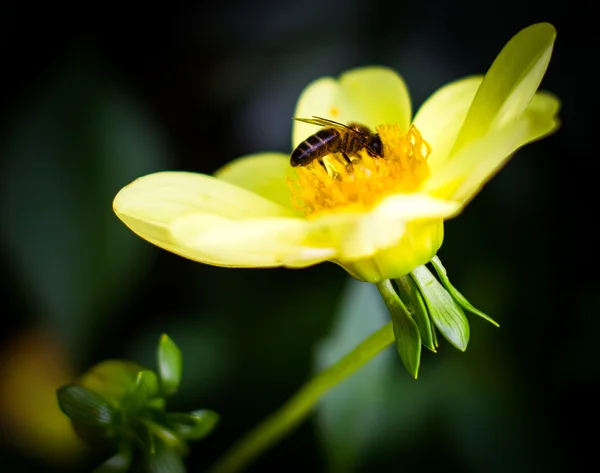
441 116
315 100
249 243
361 235
465 173
163 196
544 103
264 174
510 83
150 204
371 96
297 242
374 96
421 240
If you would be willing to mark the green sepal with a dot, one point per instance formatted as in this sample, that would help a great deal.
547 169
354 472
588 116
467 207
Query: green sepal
434 337
412 298
457 296
446 314
146 389
164 460
169 365
406 331
84 406
194 425
119 463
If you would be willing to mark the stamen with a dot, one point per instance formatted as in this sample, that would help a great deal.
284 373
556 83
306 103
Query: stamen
336 185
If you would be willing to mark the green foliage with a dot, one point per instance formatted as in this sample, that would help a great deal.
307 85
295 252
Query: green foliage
121 403
119 463
408 339
415 304
169 365
85 407
445 312
195 425
457 296
164 461
419 304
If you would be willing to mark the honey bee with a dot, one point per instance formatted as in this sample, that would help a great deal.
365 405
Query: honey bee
335 138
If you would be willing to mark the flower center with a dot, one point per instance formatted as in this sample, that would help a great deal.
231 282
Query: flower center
334 184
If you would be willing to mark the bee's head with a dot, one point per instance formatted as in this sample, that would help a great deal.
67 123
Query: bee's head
376 146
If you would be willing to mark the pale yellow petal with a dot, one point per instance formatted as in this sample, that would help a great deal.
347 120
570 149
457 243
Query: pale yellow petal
441 116
249 243
264 174
360 235
544 103
153 232
509 84
465 173
374 96
409 207
420 242
163 196
149 205
296 242
371 96
316 100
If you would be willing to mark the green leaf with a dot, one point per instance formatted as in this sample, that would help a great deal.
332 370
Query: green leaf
408 339
118 463
195 425
412 298
145 390
83 406
447 315
457 296
348 414
169 365
510 82
165 460
166 435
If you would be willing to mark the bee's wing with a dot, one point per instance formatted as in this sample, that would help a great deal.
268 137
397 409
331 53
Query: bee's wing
323 122
326 122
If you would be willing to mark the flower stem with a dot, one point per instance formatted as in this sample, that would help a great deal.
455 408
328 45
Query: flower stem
283 421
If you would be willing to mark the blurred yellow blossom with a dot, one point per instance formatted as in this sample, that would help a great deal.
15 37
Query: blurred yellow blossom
34 365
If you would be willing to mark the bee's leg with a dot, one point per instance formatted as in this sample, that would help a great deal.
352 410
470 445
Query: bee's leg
344 148
344 143
346 157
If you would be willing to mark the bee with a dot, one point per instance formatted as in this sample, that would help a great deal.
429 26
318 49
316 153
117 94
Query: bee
335 138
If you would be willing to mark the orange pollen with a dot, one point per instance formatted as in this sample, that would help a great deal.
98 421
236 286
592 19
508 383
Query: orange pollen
333 184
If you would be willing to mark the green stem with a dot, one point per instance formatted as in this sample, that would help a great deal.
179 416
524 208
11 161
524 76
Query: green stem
299 406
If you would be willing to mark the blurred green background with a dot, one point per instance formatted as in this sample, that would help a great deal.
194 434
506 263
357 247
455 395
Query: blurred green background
97 95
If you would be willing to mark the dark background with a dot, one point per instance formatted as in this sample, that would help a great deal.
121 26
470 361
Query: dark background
95 95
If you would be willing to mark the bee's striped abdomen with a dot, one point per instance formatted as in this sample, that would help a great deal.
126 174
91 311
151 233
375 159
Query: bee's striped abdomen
315 147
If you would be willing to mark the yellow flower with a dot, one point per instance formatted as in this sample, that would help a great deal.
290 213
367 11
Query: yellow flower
379 217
